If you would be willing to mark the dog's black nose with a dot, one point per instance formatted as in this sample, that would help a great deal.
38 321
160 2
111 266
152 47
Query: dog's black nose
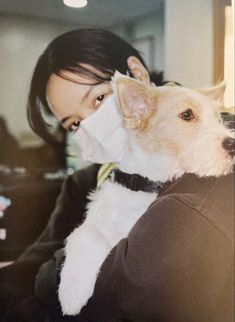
229 145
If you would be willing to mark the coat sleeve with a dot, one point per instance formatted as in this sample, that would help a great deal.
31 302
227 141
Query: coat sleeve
175 265
17 280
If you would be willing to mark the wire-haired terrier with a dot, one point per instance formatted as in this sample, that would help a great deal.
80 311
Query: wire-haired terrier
171 130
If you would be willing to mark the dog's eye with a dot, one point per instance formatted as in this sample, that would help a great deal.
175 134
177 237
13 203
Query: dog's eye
187 115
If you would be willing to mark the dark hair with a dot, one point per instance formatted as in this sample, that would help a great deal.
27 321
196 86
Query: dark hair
96 47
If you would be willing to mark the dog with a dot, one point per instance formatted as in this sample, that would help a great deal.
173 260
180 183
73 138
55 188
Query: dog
171 131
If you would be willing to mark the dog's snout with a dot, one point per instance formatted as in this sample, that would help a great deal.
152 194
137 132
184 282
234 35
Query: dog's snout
229 145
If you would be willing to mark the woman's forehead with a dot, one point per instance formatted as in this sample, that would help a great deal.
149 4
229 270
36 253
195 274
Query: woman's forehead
78 78
61 92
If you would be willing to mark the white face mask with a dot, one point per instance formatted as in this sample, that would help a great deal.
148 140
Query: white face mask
101 136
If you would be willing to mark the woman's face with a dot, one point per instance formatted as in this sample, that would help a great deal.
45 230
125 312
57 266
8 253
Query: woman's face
72 101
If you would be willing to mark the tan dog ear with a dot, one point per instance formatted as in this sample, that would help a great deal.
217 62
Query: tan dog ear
137 101
215 93
138 70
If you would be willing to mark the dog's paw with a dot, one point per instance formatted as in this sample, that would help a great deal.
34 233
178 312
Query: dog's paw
85 253
74 291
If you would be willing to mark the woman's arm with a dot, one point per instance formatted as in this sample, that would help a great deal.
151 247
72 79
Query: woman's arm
17 280
175 265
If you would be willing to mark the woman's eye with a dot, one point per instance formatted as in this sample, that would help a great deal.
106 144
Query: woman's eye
99 99
187 115
74 126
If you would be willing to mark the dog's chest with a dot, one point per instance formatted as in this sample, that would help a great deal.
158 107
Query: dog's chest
114 209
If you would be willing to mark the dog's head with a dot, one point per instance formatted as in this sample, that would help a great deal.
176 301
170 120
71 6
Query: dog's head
180 122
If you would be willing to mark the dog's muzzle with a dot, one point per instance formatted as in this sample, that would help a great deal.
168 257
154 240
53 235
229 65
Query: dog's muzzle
229 145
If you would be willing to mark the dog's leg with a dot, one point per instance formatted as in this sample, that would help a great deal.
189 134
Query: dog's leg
85 250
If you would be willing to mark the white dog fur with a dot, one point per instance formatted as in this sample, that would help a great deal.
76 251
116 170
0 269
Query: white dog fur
161 146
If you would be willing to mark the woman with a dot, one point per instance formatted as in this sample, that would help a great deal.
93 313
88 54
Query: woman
70 80
175 265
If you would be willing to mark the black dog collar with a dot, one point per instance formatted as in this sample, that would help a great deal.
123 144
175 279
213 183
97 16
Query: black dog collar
135 182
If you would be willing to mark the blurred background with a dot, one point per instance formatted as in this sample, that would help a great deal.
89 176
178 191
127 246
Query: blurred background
191 41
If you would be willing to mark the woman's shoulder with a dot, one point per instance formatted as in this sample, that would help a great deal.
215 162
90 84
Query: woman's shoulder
77 185
208 201
88 173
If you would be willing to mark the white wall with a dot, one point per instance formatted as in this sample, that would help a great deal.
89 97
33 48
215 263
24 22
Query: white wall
189 41
183 33
21 42
229 59
151 25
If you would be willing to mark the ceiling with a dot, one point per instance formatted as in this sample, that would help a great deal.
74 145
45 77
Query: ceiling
98 13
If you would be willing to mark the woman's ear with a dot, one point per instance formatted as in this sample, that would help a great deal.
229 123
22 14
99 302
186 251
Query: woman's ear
137 69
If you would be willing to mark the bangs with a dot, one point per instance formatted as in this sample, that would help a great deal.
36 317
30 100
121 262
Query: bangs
96 77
